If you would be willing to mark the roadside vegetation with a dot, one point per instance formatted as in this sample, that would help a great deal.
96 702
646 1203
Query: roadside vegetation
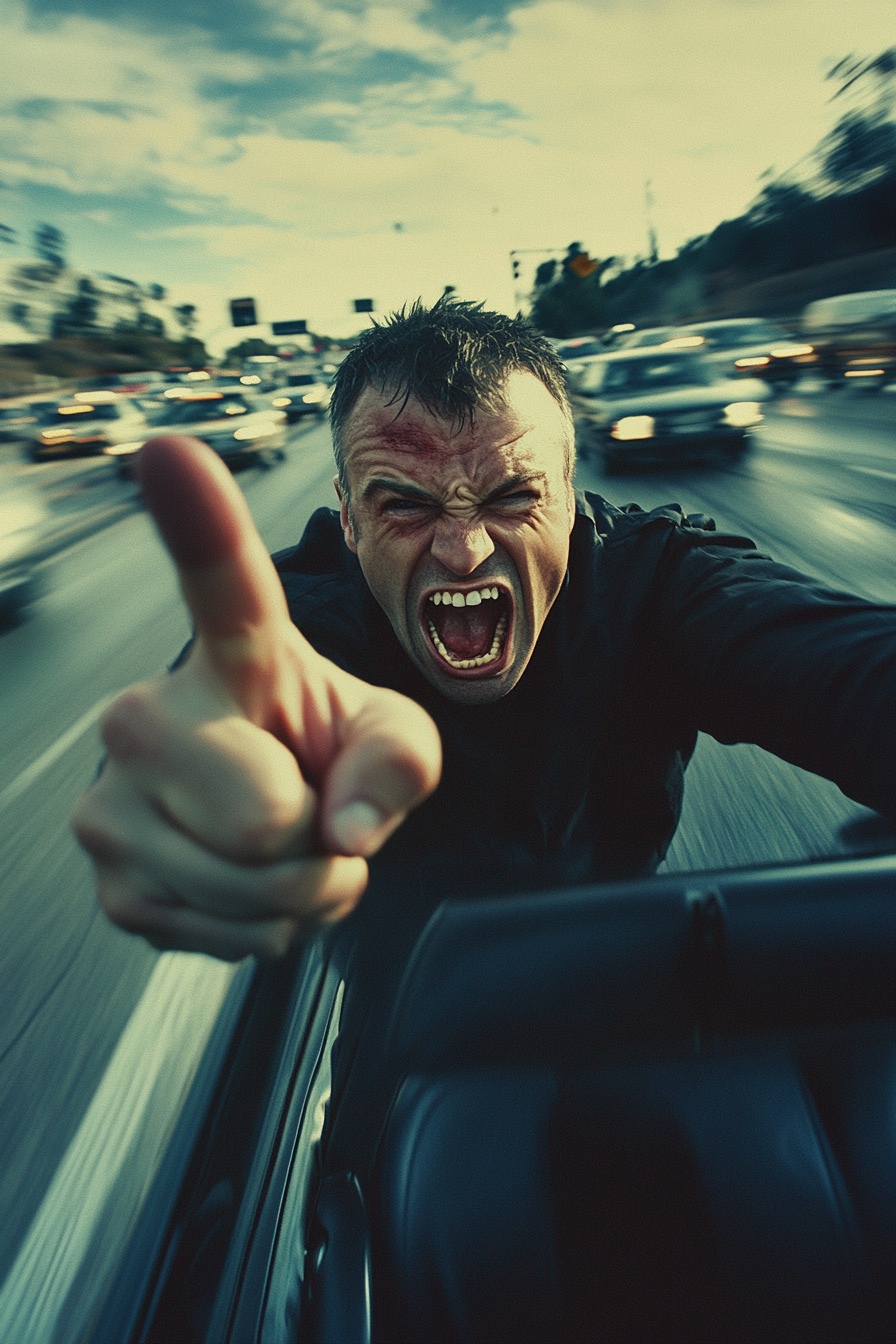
828 225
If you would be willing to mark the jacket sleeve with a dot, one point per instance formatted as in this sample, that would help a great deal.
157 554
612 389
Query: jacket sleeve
757 652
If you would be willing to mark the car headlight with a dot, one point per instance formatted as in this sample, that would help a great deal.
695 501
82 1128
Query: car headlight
314 397
752 362
256 431
123 449
281 401
789 351
633 427
743 413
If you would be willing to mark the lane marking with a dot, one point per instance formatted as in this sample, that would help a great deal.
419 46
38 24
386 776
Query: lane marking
52 754
109 1165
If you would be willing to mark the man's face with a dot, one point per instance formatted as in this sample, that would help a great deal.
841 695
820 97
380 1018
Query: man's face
463 536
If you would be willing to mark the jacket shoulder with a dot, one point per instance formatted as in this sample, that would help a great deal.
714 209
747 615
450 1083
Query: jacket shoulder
322 549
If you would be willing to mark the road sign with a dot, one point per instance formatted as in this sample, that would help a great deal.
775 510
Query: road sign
242 313
296 328
363 305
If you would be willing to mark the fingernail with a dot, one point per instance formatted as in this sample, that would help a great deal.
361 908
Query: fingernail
355 825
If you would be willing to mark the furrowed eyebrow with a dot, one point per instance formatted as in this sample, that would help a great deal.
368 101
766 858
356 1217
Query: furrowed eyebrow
513 484
379 483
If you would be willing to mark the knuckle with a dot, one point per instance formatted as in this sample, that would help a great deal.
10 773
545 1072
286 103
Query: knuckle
266 822
121 906
95 834
127 725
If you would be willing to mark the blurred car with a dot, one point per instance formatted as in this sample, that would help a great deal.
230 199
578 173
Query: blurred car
577 354
17 420
855 337
24 520
304 394
662 405
230 422
83 426
647 336
748 347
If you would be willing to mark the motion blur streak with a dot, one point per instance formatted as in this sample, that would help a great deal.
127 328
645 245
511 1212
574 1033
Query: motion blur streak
52 753
110 1163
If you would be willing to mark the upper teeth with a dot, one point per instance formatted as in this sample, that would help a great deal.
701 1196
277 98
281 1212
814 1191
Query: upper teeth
471 599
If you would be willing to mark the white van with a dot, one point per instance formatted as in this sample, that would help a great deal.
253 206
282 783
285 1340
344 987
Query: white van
850 309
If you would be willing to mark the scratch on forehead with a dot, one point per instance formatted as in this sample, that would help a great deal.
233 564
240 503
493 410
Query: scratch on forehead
410 435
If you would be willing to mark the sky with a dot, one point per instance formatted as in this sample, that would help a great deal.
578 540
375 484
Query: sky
309 152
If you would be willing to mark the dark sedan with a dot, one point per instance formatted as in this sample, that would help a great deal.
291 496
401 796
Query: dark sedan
662 405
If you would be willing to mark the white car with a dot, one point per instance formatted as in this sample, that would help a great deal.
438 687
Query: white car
747 347
231 422
304 394
85 425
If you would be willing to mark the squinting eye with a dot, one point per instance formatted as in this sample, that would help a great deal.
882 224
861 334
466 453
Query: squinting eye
404 506
521 497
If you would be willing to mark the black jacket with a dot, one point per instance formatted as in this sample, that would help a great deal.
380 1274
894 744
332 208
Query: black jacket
663 628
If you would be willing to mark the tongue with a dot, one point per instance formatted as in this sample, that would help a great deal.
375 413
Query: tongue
467 632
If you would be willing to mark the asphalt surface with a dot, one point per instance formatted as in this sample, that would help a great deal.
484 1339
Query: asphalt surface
818 491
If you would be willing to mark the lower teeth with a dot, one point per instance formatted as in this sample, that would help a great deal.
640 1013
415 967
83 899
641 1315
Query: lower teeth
492 656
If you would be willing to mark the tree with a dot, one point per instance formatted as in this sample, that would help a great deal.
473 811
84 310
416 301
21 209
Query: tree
254 345
49 245
80 313
862 146
776 201
155 292
573 302
186 317
858 151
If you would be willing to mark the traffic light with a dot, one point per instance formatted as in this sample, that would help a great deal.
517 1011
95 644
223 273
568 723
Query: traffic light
582 265
363 305
295 328
516 268
242 313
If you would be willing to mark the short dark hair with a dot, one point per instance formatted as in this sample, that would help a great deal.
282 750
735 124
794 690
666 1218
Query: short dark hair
454 357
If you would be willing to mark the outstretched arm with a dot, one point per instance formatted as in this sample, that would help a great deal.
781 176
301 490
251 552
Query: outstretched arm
244 792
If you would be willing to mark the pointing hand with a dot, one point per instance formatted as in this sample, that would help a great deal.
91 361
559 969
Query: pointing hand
244 792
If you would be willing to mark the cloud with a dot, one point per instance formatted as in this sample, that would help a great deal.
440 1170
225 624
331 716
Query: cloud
269 146
51 109
455 18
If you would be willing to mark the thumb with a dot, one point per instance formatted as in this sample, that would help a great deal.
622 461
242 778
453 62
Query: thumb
227 577
390 760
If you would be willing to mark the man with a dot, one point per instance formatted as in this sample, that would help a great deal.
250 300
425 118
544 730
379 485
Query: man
563 652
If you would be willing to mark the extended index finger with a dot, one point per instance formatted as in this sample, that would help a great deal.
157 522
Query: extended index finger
226 574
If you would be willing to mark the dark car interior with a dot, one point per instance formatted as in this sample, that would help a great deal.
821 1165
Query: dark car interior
657 1111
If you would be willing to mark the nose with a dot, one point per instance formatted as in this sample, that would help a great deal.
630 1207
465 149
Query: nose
461 545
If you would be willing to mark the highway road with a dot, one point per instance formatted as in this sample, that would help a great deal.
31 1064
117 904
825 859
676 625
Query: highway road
818 491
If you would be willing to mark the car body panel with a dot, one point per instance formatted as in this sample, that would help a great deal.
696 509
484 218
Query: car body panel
688 417
855 338
737 345
230 422
700 1059
75 427
304 394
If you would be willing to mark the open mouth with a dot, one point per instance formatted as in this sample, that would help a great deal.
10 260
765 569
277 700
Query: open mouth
468 628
